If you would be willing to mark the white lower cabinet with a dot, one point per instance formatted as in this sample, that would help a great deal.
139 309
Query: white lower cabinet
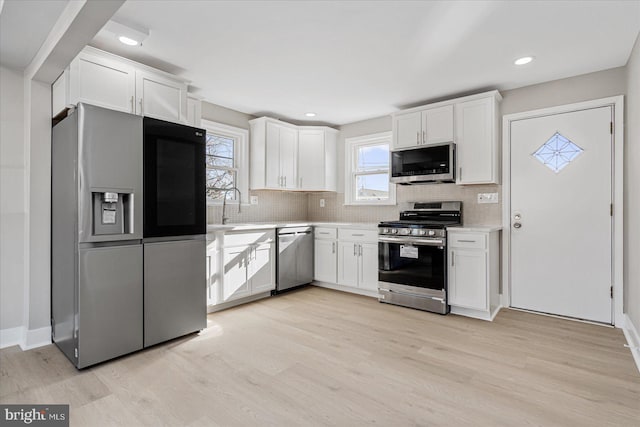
240 265
474 273
358 259
358 265
347 259
325 260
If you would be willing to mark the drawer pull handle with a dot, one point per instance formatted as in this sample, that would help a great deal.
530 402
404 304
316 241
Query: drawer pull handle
467 241
357 235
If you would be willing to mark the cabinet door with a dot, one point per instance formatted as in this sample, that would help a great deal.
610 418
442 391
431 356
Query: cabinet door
160 97
325 261
468 278
348 265
261 268
213 281
272 156
330 161
103 82
311 160
235 282
368 266
407 130
288 156
437 125
475 142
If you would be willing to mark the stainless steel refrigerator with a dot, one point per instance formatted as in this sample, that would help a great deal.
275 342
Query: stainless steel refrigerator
101 291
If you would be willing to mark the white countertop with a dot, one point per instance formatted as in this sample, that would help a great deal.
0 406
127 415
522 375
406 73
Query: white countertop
476 228
212 228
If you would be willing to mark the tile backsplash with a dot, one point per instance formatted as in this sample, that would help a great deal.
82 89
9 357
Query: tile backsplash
298 206
472 212
272 206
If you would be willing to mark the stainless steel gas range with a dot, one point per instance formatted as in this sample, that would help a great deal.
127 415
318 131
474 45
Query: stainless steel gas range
412 260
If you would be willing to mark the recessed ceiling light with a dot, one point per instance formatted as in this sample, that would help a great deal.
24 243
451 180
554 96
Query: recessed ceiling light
310 114
524 60
128 41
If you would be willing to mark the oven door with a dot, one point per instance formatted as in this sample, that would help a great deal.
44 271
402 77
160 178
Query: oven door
413 262
174 179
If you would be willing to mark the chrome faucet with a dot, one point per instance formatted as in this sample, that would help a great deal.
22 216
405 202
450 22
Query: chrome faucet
224 201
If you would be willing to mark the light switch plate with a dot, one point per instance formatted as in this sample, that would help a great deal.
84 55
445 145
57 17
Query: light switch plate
254 200
322 203
487 197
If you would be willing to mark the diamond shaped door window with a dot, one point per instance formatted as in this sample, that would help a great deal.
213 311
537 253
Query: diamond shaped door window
557 152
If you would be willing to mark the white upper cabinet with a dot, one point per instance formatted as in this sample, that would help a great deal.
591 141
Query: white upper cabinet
437 125
101 81
288 157
477 141
317 159
106 80
160 97
273 154
423 127
407 130
470 122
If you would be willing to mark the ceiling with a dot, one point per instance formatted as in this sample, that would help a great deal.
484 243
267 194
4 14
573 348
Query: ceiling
350 60
24 26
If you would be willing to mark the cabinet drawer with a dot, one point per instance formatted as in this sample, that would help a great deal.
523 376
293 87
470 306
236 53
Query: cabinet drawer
356 235
248 238
325 233
468 240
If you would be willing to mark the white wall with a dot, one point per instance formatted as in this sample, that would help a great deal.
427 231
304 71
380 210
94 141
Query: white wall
39 208
632 188
586 87
13 218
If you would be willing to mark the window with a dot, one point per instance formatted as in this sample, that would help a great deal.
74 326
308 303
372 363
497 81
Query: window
227 162
367 170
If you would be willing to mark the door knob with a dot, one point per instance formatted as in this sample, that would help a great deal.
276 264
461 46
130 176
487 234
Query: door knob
517 225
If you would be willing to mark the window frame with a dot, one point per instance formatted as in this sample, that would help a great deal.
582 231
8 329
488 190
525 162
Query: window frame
241 157
351 173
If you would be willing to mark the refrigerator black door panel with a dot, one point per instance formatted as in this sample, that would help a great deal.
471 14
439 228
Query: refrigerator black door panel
175 300
174 179
109 303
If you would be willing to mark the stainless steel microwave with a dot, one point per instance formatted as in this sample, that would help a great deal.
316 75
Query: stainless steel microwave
426 164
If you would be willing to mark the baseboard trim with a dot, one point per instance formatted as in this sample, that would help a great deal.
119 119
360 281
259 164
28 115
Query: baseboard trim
349 289
10 337
633 339
25 338
36 338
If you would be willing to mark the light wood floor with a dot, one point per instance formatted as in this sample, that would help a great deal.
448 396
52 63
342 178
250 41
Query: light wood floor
322 357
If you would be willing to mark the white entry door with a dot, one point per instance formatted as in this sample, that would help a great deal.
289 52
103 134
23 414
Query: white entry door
561 223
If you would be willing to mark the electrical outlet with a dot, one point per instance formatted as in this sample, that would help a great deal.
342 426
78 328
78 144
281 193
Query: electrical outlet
322 203
487 197
254 200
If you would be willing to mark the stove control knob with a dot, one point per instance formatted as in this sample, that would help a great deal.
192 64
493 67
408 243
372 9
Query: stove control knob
423 232
432 233
385 231
406 231
394 231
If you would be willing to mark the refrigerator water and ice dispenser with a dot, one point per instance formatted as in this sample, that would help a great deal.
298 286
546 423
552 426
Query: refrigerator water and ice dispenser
112 212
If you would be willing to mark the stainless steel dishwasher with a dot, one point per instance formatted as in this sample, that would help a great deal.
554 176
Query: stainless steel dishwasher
295 257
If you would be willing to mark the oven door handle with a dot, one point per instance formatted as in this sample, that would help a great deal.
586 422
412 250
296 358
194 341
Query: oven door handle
415 242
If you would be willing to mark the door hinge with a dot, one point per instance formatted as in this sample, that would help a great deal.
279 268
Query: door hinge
611 291
611 128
